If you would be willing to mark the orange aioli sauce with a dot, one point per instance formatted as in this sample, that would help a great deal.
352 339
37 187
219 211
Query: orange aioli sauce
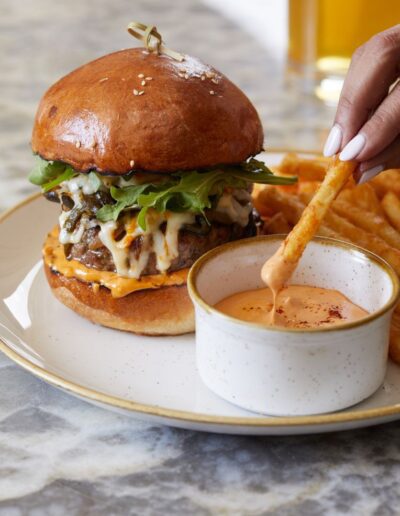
296 306
54 257
275 272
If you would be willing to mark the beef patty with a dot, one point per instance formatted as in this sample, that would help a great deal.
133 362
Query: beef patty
91 252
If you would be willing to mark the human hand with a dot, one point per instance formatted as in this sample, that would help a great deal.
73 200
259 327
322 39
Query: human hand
367 122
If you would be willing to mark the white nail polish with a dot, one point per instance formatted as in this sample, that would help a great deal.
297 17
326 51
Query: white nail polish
370 173
332 144
353 148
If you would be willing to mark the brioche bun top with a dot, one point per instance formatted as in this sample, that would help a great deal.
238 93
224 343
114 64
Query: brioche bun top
138 110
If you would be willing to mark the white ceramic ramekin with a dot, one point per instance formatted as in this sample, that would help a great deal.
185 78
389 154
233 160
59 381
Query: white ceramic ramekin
290 371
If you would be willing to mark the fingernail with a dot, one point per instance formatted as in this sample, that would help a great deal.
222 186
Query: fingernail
332 144
353 148
370 173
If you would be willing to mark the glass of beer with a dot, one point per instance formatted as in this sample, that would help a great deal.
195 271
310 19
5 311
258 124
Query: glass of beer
323 35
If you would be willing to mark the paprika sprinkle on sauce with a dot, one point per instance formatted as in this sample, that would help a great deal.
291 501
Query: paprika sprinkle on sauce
296 306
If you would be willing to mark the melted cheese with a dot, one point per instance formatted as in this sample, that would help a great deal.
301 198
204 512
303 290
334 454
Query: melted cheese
80 182
164 245
74 237
234 205
54 257
234 210
75 187
127 263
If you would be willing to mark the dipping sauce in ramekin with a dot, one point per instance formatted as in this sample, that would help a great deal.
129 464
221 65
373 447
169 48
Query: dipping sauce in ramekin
295 306
293 371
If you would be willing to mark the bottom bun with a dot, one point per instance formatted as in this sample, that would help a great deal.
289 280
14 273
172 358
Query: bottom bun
160 311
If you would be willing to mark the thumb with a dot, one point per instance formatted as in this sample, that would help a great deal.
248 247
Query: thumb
388 158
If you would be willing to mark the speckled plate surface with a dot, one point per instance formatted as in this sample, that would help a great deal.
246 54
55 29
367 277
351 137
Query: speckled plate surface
148 378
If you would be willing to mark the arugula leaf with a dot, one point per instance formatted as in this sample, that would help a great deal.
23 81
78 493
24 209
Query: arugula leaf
255 171
108 212
44 171
49 174
65 176
255 165
194 191
188 191
125 197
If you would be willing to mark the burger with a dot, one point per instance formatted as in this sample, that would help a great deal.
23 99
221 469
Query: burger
151 160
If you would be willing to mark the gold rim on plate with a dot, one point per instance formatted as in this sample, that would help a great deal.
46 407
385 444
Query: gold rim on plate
180 415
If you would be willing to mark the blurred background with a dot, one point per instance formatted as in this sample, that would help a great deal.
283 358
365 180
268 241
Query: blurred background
289 56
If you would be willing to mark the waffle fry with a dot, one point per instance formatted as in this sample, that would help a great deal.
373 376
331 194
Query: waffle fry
277 225
388 181
305 169
291 208
364 196
391 207
369 221
273 201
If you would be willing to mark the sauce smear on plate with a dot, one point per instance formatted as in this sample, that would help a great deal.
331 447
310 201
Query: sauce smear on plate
296 306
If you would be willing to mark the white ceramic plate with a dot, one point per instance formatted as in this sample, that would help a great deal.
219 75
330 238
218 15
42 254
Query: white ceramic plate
145 377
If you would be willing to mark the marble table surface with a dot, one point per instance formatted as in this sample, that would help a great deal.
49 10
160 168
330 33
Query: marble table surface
62 456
